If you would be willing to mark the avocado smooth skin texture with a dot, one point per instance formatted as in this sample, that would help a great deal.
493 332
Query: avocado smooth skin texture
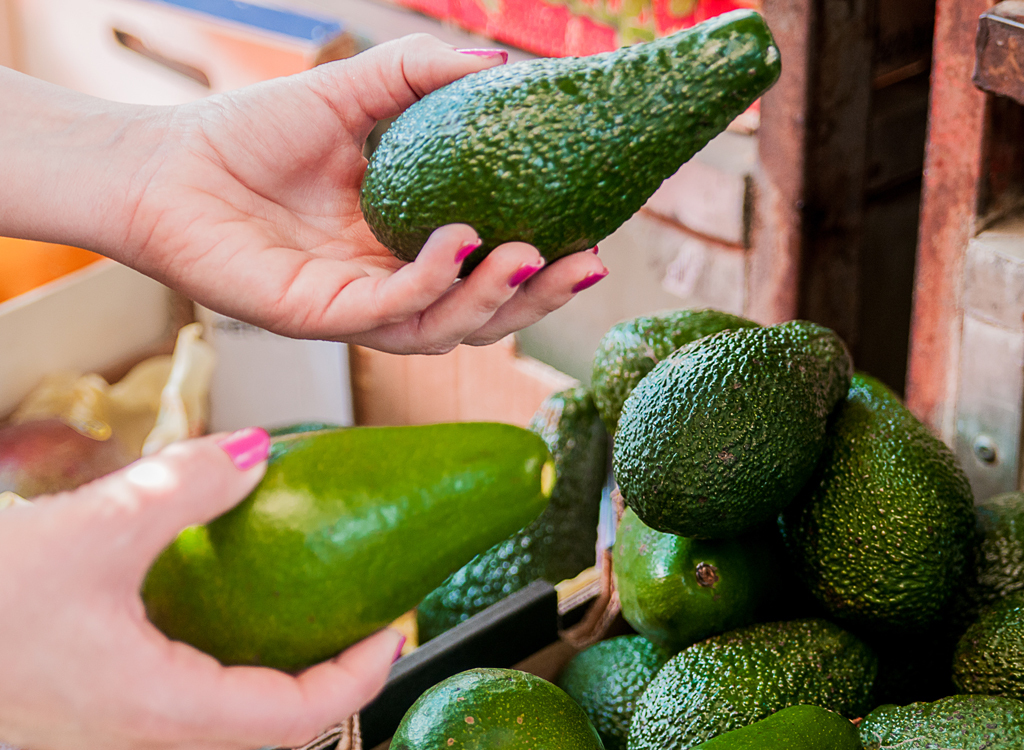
484 709
793 728
722 434
737 678
676 590
560 152
881 533
960 722
989 658
341 537
631 349
560 544
608 678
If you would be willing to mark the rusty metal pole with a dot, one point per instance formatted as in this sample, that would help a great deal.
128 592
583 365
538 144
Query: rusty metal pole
953 172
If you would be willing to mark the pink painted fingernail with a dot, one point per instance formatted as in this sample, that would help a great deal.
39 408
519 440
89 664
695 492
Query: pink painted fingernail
523 274
398 651
594 249
589 281
247 447
466 250
486 53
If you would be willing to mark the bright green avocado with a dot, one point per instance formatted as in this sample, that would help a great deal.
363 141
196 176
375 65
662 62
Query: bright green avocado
559 152
631 349
989 658
608 678
745 675
343 535
721 435
882 532
560 544
959 722
793 728
676 591
486 709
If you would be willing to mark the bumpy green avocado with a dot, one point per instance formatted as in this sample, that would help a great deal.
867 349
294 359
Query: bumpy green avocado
989 658
633 347
743 676
560 152
676 591
721 435
959 722
559 544
882 531
484 709
793 728
341 537
608 678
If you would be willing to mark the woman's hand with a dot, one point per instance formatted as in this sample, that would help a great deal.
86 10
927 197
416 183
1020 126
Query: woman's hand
82 667
248 202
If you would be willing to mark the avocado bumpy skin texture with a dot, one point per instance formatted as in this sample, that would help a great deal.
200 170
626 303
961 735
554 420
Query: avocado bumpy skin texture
743 676
631 349
721 435
793 728
960 722
484 709
559 544
340 538
882 532
989 658
608 678
559 152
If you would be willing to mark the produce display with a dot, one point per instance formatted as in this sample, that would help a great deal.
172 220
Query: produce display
341 537
561 543
562 150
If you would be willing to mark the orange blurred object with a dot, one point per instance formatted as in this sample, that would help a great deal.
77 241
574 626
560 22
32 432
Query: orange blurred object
25 264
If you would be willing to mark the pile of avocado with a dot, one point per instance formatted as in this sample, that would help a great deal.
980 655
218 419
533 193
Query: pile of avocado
797 552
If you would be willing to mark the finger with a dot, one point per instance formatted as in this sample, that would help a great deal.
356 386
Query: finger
386 79
191 482
542 294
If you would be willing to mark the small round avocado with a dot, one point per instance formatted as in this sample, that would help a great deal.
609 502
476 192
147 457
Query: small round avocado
483 709
989 658
676 591
608 678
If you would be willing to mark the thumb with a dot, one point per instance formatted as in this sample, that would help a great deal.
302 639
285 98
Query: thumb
186 483
386 79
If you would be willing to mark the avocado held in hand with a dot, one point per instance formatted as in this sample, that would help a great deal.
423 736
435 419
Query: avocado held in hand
560 152
348 529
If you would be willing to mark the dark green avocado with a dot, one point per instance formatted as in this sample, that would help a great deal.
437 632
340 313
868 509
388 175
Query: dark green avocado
793 728
958 722
882 532
743 676
721 435
560 152
559 544
631 349
608 678
989 658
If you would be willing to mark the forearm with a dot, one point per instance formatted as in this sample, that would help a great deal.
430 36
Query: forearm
71 166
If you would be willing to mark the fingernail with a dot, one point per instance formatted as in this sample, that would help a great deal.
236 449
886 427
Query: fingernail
467 249
486 53
523 274
589 281
594 249
398 651
247 447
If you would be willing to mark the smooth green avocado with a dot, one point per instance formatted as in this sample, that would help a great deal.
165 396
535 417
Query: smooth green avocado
989 658
958 722
745 675
608 678
794 728
882 532
485 709
560 152
630 349
560 544
341 537
721 435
